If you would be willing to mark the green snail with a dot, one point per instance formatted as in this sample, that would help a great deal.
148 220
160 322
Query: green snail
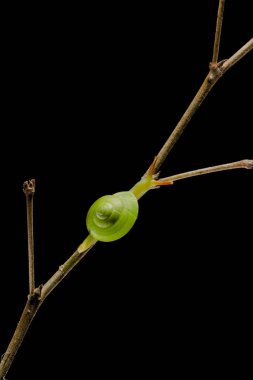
112 216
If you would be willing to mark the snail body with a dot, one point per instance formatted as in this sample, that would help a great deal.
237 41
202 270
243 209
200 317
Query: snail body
112 216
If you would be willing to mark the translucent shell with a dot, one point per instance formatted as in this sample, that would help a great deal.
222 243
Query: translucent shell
112 216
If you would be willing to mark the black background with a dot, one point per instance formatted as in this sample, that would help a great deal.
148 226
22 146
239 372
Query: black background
89 96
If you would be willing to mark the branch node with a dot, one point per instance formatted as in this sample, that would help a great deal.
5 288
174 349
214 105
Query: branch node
36 295
38 291
215 70
220 63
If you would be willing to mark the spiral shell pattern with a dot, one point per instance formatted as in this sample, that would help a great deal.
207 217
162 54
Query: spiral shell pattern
112 216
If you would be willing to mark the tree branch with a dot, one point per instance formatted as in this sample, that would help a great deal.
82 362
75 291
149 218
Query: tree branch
245 49
38 295
29 190
32 305
243 164
216 44
36 299
65 268
216 70
215 73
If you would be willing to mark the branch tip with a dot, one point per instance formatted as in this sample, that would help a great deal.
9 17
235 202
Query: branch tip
29 187
247 164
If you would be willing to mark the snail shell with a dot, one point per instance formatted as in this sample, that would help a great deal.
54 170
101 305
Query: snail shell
112 216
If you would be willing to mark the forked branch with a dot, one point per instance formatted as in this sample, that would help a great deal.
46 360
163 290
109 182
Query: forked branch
38 295
215 73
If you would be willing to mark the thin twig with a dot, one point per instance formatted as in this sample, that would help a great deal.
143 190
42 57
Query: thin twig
29 190
65 268
32 305
211 79
239 54
35 301
183 122
243 164
216 45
